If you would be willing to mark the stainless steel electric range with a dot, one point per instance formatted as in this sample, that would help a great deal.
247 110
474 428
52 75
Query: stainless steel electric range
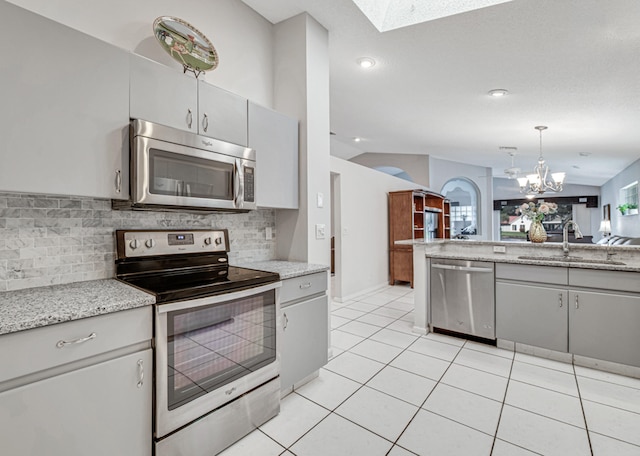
216 338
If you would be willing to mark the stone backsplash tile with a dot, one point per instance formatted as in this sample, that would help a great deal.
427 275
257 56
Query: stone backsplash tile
46 240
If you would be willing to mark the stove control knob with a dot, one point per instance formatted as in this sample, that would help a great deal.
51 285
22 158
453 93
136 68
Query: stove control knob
134 244
207 241
218 240
150 243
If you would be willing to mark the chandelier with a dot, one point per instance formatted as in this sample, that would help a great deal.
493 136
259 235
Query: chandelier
543 179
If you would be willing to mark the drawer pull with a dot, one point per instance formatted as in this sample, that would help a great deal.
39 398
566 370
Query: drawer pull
305 285
140 374
64 343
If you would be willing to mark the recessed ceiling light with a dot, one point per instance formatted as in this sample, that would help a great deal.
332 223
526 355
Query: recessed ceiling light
356 139
498 92
366 62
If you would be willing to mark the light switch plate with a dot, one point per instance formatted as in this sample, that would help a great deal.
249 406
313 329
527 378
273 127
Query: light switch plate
320 199
268 233
320 231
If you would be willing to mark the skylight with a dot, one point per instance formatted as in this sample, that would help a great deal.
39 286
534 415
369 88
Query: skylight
388 15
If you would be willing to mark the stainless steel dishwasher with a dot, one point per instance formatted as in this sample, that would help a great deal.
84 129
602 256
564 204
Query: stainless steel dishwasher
462 297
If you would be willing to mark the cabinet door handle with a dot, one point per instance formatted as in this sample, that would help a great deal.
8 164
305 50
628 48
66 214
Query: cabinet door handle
577 303
118 181
305 285
285 322
140 374
64 343
205 122
189 118
560 299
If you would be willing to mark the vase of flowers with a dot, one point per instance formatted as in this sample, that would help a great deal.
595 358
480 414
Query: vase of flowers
537 213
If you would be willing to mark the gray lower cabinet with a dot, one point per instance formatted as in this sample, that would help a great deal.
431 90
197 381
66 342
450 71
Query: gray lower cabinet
305 328
78 388
586 312
532 315
97 410
605 326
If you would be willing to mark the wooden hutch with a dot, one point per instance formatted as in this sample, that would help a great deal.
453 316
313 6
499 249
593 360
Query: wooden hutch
408 214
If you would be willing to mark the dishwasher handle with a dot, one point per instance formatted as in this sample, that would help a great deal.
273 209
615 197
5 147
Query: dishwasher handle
460 268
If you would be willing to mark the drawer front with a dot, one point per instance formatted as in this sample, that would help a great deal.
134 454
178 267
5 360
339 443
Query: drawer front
543 274
37 349
608 280
299 287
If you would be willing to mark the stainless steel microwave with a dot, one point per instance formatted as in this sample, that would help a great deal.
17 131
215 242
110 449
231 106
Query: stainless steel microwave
173 169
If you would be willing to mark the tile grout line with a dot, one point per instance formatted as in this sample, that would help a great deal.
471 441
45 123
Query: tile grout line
504 399
584 414
429 395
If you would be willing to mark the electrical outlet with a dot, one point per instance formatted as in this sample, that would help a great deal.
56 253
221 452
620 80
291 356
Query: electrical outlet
320 231
499 249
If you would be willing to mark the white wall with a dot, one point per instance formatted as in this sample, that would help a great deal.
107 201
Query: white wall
440 171
628 225
242 38
362 228
416 166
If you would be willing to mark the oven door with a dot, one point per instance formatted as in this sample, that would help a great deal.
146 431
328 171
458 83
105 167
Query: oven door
168 174
212 350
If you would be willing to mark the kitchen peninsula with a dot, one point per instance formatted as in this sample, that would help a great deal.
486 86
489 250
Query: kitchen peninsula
570 304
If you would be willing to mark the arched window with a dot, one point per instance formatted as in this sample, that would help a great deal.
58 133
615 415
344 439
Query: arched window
465 203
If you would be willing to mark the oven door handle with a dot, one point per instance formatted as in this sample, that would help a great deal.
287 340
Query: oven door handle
209 300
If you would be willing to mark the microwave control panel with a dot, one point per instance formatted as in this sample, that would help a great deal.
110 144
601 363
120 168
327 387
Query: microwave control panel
249 184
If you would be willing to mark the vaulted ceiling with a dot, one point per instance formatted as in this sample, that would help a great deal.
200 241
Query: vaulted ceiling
572 65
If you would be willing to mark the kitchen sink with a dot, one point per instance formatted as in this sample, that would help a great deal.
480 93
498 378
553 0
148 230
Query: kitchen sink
571 259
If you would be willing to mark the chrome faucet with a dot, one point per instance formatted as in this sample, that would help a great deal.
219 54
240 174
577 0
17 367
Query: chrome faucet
565 236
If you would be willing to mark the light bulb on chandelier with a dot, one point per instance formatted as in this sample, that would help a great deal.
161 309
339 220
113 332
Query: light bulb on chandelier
542 179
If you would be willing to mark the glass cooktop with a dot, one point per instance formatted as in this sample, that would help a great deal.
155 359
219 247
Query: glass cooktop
179 285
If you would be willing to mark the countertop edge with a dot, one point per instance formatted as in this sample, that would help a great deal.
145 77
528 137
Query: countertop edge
286 269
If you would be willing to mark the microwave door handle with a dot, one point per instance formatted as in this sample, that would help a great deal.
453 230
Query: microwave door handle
238 186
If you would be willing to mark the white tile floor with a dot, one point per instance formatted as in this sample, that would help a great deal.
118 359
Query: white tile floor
388 391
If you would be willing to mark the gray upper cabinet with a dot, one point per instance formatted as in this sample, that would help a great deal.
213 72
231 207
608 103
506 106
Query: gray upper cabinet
274 136
163 95
222 114
65 114
169 97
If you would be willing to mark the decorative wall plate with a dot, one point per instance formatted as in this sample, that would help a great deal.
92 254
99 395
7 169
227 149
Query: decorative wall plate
186 44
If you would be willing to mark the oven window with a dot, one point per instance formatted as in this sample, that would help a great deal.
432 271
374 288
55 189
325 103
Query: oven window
182 175
211 346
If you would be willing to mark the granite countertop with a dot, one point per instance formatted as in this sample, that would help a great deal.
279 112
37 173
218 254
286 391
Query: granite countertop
42 306
595 256
286 269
